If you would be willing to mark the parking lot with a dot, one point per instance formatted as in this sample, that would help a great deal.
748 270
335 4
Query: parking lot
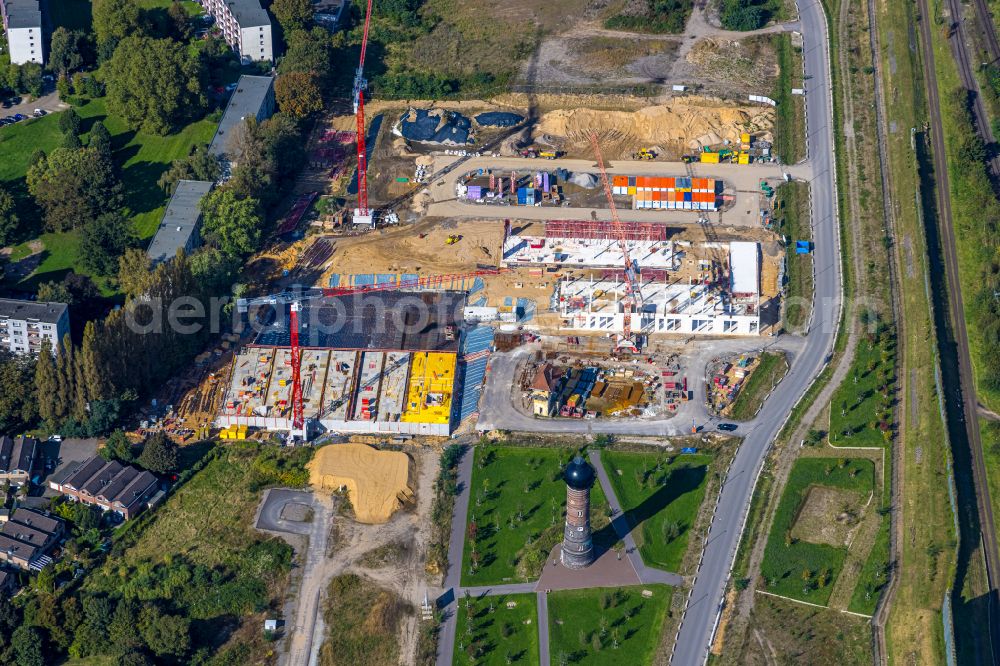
48 103
58 458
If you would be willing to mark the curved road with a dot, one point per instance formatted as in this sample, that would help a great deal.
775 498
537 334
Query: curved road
705 602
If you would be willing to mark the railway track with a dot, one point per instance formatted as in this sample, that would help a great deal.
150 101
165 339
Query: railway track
961 338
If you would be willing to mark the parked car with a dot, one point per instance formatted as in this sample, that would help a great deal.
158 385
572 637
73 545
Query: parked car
38 113
6 104
10 119
20 116
15 101
728 427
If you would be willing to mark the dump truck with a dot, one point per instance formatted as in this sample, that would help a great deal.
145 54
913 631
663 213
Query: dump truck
451 240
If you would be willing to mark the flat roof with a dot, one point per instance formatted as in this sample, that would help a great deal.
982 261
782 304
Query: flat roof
248 13
390 320
744 261
246 101
180 220
48 313
23 13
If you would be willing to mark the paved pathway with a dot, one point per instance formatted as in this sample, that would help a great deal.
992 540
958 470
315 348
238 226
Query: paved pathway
543 628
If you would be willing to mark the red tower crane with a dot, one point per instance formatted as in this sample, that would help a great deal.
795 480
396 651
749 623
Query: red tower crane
362 214
632 293
298 419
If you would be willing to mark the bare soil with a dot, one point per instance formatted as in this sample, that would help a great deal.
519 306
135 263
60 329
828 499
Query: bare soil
828 516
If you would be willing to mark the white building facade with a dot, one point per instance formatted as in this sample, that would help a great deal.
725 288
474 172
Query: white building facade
245 26
25 324
22 22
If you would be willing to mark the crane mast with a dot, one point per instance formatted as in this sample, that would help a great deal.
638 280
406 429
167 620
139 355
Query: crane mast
632 293
298 418
362 214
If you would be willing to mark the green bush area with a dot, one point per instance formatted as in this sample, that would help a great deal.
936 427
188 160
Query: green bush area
765 376
746 15
488 632
362 623
861 410
660 16
516 513
800 569
791 219
790 118
661 495
607 626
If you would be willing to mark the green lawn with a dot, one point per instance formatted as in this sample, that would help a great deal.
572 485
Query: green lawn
512 481
787 559
792 221
874 574
498 637
142 158
772 368
790 120
655 499
584 625
862 405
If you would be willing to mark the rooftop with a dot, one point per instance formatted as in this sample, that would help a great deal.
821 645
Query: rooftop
396 320
16 454
48 313
31 535
248 13
17 549
37 520
23 13
546 378
246 101
180 221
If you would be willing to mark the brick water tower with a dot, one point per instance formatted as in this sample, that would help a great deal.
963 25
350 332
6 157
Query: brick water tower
578 546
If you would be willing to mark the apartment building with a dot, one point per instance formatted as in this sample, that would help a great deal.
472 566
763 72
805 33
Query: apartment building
253 98
17 459
245 26
25 324
22 21
110 486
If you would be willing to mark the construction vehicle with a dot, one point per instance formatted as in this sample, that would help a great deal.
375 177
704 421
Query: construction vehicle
452 239
688 159
551 154
766 189
362 214
632 292
644 154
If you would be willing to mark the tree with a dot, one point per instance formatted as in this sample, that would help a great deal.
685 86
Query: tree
8 218
133 658
103 241
71 142
118 447
27 645
31 79
297 94
232 224
134 272
292 14
46 382
74 187
180 22
199 165
309 51
159 454
18 408
165 635
114 20
100 140
69 121
54 292
66 52
154 84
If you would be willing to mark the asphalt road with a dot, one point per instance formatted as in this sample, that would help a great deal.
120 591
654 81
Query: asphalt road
701 617
543 628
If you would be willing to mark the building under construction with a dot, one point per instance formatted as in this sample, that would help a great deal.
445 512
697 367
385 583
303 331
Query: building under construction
708 300
384 362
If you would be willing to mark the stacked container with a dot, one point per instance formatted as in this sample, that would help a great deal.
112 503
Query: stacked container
680 193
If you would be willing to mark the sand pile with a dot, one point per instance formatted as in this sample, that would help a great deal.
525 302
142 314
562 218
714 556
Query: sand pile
691 121
377 482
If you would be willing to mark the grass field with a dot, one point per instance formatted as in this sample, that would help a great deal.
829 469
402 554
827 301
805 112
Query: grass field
790 120
362 623
789 633
662 502
508 482
861 409
765 376
142 158
874 574
586 625
787 560
499 636
793 222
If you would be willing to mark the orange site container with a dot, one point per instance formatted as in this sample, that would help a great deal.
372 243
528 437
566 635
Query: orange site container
657 195
620 181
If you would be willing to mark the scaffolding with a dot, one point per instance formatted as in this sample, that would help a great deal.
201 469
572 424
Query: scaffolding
600 230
